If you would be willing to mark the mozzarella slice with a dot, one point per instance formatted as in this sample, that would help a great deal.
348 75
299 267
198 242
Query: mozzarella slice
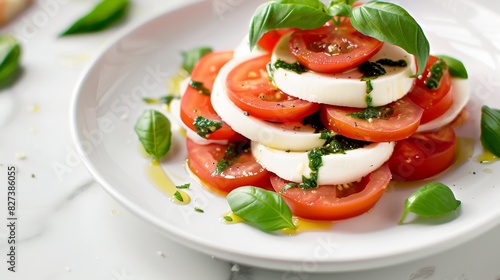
345 89
461 91
288 136
336 169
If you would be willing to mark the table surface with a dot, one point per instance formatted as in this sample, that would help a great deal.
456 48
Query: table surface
69 228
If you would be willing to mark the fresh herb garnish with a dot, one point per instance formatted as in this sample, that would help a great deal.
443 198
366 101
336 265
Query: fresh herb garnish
384 21
191 57
373 113
199 210
10 53
263 209
394 63
153 130
455 67
184 186
167 99
103 15
200 87
228 218
205 126
490 129
178 196
433 199
436 72
371 70
295 67
231 154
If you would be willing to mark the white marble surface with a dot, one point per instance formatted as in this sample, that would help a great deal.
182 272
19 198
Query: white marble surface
69 228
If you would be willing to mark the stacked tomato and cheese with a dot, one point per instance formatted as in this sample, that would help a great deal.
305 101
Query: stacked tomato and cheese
261 98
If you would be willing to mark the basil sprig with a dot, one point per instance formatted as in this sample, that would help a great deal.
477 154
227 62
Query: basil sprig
433 199
153 130
263 209
103 15
455 67
10 53
386 22
490 129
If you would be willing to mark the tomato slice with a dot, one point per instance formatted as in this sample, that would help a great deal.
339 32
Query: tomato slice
269 40
332 49
401 124
194 103
335 202
434 102
250 89
423 155
203 159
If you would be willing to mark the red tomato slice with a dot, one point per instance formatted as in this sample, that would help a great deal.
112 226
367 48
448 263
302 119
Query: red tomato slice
332 49
434 102
250 89
423 155
194 103
335 202
269 40
400 125
203 159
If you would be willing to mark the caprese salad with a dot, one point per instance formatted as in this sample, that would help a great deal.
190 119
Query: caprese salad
323 113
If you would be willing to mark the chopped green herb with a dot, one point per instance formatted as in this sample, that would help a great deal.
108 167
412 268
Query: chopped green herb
373 113
199 210
371 70
200 87
455 67
228 218
436 72
295 67
178 196
184 186
205 126
394 63
233 151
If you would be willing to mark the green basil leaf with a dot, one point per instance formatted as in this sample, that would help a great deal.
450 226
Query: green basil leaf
305 14
103 15
341 9
433 199
490 129
390 23
191 57
455 67
153 130
10 54
263 209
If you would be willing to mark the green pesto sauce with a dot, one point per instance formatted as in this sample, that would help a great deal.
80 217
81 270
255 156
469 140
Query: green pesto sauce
205 126
436 72
373 113
334 144
295 67
231 155
200 87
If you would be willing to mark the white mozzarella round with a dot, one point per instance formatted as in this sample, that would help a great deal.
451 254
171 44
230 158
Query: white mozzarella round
461 94
345 89
336 169
285 136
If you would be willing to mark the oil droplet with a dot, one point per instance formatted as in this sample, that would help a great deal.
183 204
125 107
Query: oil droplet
115 212
487 170
73 60
486 157
161 180
231 218
465 148
304 225
35 108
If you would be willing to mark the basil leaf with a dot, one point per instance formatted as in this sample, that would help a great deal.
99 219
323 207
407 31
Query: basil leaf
10 54
341 9
390 23
433 199
263 209
455 67
490 129
103 15
191 57
153 129
305 14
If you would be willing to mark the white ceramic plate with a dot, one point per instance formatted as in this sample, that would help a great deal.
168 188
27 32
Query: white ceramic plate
108 101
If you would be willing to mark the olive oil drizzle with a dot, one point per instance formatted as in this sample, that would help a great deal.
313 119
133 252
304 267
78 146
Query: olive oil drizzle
161 180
